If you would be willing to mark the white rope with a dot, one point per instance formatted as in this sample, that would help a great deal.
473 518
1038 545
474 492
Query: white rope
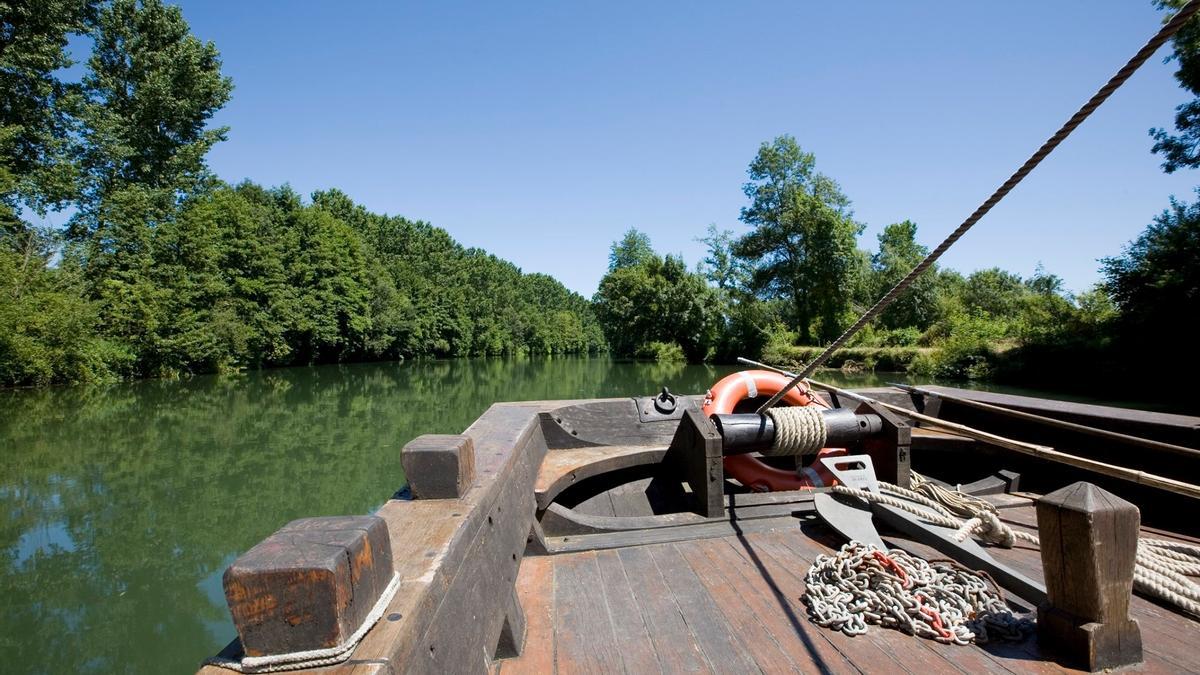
1163 568
943 601
799 430
312 658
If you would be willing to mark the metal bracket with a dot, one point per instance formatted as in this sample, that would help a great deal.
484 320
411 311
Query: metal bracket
662 407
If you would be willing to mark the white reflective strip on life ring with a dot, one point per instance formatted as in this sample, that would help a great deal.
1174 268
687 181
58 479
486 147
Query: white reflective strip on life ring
813 477
751 387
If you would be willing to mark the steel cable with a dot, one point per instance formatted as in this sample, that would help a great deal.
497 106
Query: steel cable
1164 34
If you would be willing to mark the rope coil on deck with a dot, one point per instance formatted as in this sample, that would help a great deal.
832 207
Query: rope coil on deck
940 600
799 430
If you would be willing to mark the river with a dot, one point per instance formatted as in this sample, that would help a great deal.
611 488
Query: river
124 504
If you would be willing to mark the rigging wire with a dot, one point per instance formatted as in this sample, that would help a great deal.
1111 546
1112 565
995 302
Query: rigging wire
1164 34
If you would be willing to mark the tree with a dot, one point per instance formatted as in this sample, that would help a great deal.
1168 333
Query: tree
34 116
632 249
150 90
719 265
658 301
803 245
1156 280
1183 150
993 292
898 254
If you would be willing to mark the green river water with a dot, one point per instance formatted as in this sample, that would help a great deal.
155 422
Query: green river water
123 505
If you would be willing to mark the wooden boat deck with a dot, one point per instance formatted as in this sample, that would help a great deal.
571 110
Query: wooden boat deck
733 604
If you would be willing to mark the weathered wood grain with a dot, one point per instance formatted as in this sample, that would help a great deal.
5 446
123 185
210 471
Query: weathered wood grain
677 648
563 468
536 593
1089 545
586 643
439 466
309 585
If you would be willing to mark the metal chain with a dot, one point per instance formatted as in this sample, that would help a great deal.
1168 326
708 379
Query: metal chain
1059 136
940 600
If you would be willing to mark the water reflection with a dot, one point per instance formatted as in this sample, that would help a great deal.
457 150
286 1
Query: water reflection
123 505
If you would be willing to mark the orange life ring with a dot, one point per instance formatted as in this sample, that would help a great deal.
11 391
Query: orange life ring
751 471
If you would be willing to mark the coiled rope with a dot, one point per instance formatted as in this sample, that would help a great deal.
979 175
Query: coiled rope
799 430
1143 54
1164 569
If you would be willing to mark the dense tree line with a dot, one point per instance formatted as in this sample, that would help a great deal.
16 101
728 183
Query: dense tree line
162 269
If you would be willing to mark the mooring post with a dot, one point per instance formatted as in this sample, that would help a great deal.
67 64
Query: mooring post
439 466
310 585
1089 541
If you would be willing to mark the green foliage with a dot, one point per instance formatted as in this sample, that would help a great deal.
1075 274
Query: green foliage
1155 285
969 350
1182 150
631 250
661 352
802 248
34 120
658 300
898 254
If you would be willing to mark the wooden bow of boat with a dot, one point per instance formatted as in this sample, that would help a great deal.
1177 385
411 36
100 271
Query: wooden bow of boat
562 536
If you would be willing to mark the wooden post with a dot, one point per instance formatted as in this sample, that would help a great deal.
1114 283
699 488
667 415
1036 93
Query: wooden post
310 585
439 466
695 457
1089 546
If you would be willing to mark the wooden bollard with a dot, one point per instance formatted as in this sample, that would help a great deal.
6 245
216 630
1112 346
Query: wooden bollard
439 466
1089 543
310 585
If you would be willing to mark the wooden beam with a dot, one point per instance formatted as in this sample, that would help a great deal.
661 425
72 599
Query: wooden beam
310 585
1052 422
439 466
694 456
1089 541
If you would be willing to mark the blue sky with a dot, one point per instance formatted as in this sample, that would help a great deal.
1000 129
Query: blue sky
542 131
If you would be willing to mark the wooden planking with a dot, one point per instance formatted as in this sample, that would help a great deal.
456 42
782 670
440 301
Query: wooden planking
720 644
637 650
675 645
630 501
535 590
493 517
763 618
585 641
563 468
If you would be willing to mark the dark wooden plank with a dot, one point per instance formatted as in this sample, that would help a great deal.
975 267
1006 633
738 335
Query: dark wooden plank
536 592
704 618
585 639
310 584
630 500
766 621
662 535
456 583
675 645
563 468
637 651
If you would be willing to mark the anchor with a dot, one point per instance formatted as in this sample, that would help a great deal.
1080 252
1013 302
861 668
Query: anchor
853 518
